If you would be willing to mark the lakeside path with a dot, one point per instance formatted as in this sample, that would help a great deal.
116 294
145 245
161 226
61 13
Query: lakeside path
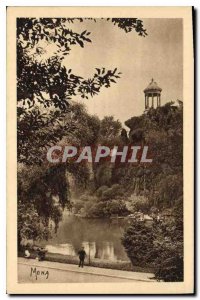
54 272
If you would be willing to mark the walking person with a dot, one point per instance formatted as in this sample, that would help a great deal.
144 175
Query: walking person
82 255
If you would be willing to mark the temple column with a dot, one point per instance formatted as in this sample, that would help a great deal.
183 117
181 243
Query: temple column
152 100
152 95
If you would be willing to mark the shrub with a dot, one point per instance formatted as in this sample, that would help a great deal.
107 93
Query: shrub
160 245
100 190
116 190
138 203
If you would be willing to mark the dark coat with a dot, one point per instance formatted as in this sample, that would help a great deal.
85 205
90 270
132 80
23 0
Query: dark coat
82 254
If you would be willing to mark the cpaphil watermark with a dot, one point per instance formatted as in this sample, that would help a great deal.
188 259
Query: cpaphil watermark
125 154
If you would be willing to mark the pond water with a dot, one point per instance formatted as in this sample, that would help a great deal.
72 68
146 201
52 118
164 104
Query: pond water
101 238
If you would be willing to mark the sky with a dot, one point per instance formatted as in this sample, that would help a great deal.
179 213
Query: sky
158 55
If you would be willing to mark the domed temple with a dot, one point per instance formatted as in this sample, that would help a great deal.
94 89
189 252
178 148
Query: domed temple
152 92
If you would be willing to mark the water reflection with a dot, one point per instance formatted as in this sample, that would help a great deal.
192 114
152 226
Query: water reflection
106 252
65 249
101 238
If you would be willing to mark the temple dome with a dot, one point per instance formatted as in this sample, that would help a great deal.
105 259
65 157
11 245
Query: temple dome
152 87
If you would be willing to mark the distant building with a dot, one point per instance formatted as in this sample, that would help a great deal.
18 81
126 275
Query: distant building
152 92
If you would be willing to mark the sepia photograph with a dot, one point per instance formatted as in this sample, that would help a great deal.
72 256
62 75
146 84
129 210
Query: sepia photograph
97 129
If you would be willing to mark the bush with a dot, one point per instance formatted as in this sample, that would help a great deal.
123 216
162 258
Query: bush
114 191
96 209
160 245
138 243
138 203
116 207
100 190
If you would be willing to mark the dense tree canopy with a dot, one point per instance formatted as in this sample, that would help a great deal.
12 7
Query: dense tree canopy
47 83
46 115
160 245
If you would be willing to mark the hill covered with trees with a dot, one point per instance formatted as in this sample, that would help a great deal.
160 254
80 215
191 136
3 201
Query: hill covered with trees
47 115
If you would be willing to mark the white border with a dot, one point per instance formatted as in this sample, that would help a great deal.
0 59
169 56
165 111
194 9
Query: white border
3 5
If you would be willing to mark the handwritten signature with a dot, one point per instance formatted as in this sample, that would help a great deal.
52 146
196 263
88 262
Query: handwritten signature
39 273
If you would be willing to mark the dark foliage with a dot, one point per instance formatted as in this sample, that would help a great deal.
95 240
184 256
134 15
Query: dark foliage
159 245
44 115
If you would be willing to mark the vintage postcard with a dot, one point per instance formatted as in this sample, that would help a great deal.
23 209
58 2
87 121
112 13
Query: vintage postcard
100 116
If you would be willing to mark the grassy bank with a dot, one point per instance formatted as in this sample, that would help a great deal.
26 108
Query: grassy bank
117 265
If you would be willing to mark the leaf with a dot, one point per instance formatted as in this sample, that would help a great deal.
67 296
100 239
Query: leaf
80 43
98 70
87 40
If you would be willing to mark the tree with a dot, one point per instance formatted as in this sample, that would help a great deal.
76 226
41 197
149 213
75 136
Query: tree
109 133
116 207
160 246
138 203
46 83
162 130
115 191
103 174
45 88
